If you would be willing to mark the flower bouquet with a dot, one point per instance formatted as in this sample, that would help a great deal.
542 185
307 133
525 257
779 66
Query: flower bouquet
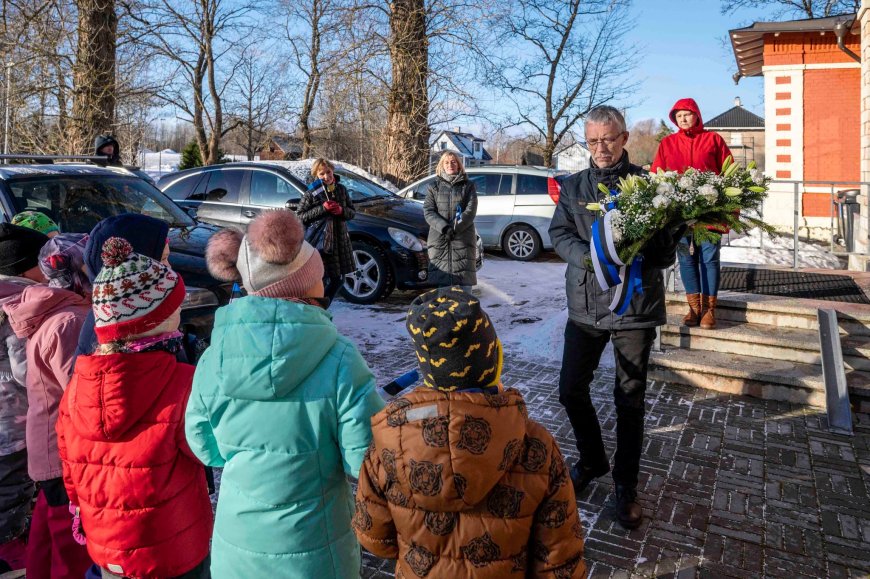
642 206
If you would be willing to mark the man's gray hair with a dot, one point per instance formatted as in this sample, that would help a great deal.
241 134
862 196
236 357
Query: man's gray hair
606 114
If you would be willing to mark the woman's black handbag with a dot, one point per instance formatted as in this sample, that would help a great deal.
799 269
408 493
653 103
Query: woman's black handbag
319 235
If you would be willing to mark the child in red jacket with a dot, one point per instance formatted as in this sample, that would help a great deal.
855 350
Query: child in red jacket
141 492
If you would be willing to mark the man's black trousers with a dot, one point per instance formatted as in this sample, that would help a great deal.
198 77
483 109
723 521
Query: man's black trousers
584 345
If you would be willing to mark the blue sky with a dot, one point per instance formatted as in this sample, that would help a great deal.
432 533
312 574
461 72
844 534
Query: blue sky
687 54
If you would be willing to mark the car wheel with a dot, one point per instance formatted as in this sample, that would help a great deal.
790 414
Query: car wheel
522 243
372 279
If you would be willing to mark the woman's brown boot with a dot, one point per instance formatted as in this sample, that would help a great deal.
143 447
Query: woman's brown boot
694 316
708 318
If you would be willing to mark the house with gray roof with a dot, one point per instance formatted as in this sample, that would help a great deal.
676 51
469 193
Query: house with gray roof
466 145
743 131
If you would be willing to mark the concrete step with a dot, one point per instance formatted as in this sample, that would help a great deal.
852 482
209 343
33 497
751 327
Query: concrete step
783 380
780 312
785 344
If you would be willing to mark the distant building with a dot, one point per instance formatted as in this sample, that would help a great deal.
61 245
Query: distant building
466 145
574 158
281 148
743 131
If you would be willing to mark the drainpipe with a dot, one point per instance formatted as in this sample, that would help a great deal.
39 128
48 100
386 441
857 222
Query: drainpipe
841 29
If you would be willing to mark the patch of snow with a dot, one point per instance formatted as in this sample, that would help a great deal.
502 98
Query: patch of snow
762 249
301 169
525 300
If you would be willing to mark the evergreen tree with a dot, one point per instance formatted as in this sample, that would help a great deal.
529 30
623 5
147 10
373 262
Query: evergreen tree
663 131
190 157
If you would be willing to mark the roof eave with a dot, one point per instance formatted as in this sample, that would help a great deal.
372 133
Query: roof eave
748 43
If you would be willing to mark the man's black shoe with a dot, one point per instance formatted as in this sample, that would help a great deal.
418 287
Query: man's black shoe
581 477
628 511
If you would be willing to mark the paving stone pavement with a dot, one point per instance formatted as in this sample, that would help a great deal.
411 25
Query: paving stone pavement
731 486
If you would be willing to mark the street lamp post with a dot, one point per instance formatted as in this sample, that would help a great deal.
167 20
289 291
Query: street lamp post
9 66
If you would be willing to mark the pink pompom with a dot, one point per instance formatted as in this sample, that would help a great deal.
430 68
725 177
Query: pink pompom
222 253
116 250
276 236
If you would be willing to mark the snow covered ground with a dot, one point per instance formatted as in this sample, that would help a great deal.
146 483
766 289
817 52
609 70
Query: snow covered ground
525 300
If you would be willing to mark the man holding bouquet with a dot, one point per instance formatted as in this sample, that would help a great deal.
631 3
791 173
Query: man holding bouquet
592 324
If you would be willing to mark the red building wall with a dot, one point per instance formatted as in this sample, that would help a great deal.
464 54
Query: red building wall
831 109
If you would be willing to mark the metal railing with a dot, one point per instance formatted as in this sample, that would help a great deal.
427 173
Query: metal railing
798 189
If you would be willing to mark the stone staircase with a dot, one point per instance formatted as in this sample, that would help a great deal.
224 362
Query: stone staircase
764 346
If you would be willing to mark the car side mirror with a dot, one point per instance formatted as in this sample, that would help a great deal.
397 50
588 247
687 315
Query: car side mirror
190 211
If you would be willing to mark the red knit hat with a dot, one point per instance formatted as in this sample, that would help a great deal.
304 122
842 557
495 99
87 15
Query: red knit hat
132 293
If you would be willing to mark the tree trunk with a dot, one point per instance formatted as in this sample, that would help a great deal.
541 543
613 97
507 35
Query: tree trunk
407 130
94 74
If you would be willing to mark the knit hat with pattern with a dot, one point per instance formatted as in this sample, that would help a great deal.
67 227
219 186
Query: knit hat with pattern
133 294
456 343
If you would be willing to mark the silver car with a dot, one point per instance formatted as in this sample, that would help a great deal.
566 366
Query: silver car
514 206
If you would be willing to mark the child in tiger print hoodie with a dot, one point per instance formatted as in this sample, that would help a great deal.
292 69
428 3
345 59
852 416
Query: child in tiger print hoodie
458 481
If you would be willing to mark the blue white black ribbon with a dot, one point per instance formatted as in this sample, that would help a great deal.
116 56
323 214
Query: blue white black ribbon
605 259
610 271
630 287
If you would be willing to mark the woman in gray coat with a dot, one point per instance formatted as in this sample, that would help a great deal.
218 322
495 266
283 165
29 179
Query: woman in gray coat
449 209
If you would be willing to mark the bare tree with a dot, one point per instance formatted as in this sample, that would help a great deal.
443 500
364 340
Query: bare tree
258 99
407 131
794 8
196 39
311 27
567 56
94 73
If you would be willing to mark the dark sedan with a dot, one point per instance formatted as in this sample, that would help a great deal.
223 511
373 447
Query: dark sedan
388 233
77 197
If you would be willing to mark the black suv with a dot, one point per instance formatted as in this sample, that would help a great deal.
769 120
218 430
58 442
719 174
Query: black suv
388 233
78 196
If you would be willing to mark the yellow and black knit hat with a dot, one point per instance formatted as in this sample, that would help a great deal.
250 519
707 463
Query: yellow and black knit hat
456 343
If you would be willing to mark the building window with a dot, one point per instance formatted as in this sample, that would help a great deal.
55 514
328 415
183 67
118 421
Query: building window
476 146
736 139
443 145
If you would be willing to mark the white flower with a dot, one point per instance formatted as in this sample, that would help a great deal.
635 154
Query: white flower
616 225
665 188
708 192
686 182
757 176
660 201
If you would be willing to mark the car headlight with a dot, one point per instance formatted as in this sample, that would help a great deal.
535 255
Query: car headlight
406 239
197 297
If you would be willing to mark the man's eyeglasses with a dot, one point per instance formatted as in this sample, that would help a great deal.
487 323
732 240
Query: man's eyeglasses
595 143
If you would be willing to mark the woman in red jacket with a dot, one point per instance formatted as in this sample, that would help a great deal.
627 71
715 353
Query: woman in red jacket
694 147
126 464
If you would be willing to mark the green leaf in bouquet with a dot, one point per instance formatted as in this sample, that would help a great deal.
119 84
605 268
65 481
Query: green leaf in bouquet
733 191
603 188
757 189
752 165
727 163
593 206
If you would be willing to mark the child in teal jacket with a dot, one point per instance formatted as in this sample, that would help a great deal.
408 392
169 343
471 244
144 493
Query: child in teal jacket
283 403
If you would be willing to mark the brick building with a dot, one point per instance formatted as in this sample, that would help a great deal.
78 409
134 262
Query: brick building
812 93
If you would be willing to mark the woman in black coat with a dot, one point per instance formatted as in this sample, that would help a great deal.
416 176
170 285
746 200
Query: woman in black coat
449 209
326 198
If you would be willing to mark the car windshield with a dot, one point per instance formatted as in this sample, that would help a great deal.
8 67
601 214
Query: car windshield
78 202
360 188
